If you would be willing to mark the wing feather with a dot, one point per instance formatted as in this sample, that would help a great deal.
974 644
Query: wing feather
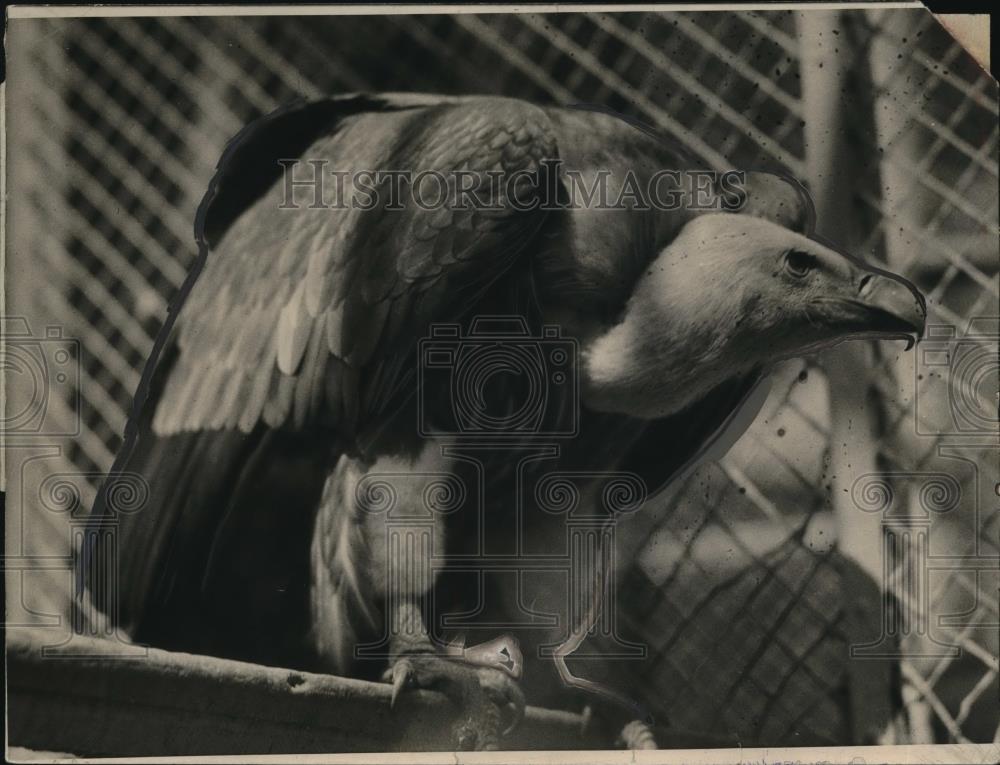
293 312
293 331
309 391
368 282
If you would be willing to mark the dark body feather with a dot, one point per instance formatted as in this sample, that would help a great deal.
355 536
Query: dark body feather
297 346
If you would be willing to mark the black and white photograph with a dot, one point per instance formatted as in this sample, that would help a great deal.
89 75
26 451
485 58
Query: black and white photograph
404 383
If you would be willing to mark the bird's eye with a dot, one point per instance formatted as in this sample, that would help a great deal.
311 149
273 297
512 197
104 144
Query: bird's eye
799 263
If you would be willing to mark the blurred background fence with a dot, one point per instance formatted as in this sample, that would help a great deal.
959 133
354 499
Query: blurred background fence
746 597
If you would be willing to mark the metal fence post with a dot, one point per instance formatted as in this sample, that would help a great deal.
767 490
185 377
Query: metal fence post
828 107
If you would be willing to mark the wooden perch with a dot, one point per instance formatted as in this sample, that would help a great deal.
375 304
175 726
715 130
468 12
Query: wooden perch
173 704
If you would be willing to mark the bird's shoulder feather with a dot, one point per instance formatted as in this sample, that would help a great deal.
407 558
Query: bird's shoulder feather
297 303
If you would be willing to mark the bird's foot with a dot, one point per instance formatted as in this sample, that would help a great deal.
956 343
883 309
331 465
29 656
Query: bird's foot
490 702
637 735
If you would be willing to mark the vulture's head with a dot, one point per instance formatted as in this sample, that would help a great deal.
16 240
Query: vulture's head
729 294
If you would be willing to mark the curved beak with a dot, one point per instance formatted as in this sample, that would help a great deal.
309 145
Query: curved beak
878 303
893 305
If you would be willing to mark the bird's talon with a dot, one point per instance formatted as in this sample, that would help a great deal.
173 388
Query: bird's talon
507 697
491 703
402 675
515 716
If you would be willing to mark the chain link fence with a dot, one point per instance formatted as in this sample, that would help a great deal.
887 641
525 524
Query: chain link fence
739 589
